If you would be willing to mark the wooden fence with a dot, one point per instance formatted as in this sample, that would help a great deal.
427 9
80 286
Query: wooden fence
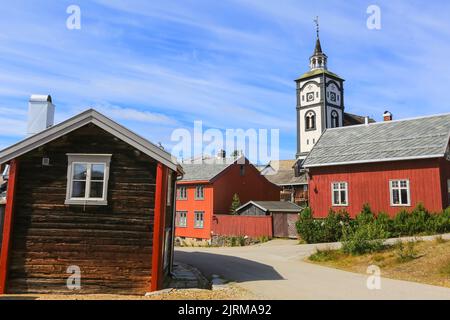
251 226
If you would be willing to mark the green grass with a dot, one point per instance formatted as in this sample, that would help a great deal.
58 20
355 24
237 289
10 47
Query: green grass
325 255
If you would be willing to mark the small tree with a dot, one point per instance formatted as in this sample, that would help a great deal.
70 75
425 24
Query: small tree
236 203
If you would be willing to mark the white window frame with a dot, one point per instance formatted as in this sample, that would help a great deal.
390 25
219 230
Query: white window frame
202 197
180 196
89 160
391 192
346 204
178 220
196 224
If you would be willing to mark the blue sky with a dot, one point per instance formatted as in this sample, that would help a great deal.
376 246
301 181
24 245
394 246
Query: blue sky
159 65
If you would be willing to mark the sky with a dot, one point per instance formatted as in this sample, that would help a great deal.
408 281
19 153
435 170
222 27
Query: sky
156 66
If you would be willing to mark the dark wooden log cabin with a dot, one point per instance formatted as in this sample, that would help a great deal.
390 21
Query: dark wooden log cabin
87 194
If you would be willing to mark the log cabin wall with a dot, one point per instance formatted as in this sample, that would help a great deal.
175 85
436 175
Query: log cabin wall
111 244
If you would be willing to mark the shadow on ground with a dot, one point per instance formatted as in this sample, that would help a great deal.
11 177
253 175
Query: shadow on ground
6 298
229 267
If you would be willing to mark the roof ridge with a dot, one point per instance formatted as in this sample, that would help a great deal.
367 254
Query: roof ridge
389 122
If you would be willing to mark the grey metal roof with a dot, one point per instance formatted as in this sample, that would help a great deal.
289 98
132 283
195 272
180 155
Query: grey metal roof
274 206
286 178
80 120
418 138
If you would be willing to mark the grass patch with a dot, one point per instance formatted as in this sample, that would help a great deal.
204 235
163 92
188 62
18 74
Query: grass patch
325 255
445 270
406 251
424 261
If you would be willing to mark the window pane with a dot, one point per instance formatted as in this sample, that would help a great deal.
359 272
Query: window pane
342 185
98 172
394 184
395 197
79 189
404 194
343 196
79 171
96 190
336 197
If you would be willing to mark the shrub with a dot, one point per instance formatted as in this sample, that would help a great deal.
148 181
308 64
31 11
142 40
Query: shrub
384 221
308 228
365 216
329 229
400 223
366 238
406 252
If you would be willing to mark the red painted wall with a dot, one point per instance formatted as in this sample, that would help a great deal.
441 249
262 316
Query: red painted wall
251 186
218 196
252 226
369 183
191 205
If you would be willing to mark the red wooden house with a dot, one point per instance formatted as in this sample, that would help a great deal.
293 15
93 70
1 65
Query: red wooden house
208 189
391 165
87 195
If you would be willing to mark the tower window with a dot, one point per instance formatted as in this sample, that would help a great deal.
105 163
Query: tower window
334 119
310 120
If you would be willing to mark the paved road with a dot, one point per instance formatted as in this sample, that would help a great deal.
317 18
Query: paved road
276 270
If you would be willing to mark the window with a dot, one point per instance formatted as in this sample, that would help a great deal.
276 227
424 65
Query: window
310 120
87 179
334 119
181 193
199 219
181 219
199 195
339 191
242 170
400 195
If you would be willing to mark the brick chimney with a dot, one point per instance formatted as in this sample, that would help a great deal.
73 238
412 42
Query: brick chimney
387 116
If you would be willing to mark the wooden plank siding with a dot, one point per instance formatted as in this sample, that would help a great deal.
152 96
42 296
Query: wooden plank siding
111 244
252 226
369 183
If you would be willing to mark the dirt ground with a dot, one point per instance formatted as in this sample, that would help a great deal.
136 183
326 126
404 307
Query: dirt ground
430 265
231 292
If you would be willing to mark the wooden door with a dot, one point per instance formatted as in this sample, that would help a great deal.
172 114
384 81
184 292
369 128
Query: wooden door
279 225
291 219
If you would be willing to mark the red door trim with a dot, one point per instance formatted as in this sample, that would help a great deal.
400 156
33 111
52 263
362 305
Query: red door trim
8 224
158 228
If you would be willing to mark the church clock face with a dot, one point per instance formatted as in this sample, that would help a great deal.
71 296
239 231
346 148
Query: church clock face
333 96
310 97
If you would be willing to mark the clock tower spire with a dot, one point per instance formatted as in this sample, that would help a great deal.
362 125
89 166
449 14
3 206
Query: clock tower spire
320 100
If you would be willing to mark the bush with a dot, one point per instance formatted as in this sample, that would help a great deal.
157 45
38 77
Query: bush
384 221
406 253
366 216
329 229
366 238
308 228
335 225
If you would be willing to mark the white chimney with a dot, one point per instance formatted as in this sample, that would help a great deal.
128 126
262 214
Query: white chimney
41 113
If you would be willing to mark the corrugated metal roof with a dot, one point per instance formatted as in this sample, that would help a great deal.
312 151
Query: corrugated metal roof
425 137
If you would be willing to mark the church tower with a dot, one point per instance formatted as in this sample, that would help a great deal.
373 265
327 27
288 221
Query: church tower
320 100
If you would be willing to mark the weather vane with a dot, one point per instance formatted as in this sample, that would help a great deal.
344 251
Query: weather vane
316 20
